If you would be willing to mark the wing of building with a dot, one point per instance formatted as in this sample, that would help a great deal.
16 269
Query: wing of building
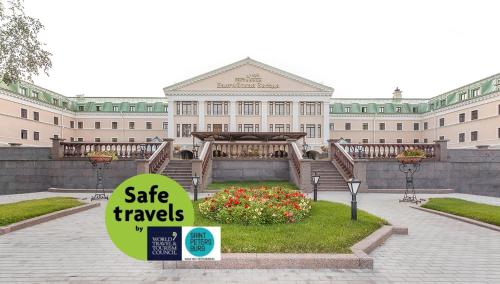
250 96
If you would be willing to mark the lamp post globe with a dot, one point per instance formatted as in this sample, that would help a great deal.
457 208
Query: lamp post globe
196 180
354 184
315 180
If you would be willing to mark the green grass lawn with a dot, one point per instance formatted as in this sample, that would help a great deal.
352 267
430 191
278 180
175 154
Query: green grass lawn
478 211
246 184
19 211
328 229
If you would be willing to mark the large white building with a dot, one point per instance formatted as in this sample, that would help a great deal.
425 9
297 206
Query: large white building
249 96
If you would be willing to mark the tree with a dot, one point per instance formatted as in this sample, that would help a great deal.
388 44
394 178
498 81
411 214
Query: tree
21 53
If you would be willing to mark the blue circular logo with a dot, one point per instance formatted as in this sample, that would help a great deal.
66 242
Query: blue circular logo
199 242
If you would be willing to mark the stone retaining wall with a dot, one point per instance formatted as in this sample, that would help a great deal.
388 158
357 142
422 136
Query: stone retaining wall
230 170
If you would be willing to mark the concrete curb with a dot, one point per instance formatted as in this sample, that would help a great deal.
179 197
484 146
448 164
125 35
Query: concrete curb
44 218
418 191
359 259
459 218
78 190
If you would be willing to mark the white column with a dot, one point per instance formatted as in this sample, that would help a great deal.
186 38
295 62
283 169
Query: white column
201 115
295 116
263 116
326 121
232 116
170 119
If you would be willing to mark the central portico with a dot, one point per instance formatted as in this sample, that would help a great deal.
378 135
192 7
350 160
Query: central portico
248 96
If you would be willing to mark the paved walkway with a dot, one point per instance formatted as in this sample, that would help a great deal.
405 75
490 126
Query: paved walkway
77 249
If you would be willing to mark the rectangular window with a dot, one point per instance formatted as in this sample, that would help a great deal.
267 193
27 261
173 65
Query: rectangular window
332 126
365 141
288 128
310 130
80 139
217 108
131 125
473 136
187 108
347 126
279 127
56 120
461 117
415 109
399 126
24 134
474 93
97 125
114 125
209 127
72 139
114 139
22 91
381 109
462 96
186 130
319 130
248 108
36 116
55 101
98 108
115 108
34 94
81 108
426 125
36 136
382 140
80 124
97 139
279 108
398 109
381 126
347 109
416 141
248 128
178 133
195 127
226 127
474 115
149 125
441 137
71 124
310 108
149 108
364 109
425 140
441 121
365 126
24 113
399 140
348 140
461 137
165 109
443 102
131 108
149 139
56 136
132 140
165 125
302 128
256 128
271 128
416 126
240 128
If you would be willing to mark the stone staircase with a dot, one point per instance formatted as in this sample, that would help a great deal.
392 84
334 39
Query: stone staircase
330 178
180 171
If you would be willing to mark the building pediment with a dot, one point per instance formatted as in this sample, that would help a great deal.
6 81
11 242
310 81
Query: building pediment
248 75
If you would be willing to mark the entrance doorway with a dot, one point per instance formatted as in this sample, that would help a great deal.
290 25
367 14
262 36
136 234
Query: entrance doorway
217 127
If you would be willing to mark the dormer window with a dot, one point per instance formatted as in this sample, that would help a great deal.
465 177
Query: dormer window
22 91
462 96
132 108
165 108
55 101
364 109
65 104
474 93
415 109
443 102
81 108
149 108
115 108
34 94
98 108
398 109
381 109
347 109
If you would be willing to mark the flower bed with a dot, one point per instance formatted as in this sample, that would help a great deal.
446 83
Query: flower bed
259 205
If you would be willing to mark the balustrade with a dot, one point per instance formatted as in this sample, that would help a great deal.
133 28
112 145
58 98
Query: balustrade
127 150
256 150
385 151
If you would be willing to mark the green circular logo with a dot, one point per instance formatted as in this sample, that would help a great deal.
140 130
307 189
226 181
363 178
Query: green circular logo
143 201
199 242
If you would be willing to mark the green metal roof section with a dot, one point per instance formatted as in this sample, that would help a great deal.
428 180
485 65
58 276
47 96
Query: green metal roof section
90 104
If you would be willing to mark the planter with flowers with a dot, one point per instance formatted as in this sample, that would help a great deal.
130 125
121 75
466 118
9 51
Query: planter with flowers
100 160
413 156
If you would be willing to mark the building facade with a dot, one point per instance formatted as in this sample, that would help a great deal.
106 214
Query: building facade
249 96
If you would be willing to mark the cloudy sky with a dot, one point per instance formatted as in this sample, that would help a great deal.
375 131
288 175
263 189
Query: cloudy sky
361 48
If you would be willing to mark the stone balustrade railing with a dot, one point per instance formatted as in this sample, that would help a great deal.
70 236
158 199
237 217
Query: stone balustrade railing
250 150
127 150
162 154
385 151
343 159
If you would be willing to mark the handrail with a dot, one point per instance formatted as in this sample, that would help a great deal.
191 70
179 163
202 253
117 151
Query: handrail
205 156
156 160
295 158
124 150
342 157
386 151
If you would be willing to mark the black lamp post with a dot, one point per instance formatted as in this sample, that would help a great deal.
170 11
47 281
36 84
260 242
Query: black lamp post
315 180
196 180
353 187
305 148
